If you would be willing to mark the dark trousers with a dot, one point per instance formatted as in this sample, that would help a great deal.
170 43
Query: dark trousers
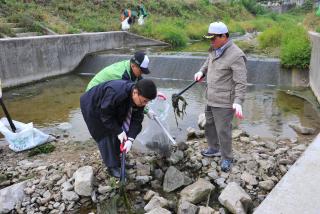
109 147
218 130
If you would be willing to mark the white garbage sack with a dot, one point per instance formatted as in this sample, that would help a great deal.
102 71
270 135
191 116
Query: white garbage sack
152 136
125 24
25 137
141 20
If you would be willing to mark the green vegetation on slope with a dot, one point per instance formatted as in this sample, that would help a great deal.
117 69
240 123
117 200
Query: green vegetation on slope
174 21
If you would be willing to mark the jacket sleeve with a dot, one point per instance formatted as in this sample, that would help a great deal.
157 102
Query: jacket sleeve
108 113
204 67
240 78
136 122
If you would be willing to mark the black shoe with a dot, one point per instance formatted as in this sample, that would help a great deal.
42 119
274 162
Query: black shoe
114 171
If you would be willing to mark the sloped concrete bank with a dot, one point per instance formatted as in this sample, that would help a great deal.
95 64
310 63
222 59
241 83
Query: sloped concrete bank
298 191
23 60
264 71
315 64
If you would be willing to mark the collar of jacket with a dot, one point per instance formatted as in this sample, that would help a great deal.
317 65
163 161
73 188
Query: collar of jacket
222 49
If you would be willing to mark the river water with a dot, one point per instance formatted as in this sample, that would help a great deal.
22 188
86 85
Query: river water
267 109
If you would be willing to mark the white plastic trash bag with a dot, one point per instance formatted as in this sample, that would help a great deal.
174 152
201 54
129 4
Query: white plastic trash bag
152 136
25 137
125 24
141 20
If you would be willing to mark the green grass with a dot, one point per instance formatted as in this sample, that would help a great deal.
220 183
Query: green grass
42 149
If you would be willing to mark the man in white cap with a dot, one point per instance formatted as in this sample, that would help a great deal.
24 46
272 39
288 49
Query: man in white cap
225 69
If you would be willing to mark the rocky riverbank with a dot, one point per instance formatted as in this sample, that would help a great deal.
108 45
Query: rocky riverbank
72 179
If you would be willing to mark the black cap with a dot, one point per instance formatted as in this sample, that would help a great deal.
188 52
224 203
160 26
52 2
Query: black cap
142 60
147 88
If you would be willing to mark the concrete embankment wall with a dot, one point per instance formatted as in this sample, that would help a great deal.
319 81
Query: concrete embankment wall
314 74
23 60
260 70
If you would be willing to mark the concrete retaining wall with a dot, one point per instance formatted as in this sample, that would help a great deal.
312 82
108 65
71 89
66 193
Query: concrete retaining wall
24 60
314 74
260 70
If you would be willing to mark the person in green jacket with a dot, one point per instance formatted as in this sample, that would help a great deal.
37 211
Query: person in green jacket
126 70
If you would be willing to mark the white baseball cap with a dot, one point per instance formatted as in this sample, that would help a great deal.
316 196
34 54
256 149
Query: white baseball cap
216 28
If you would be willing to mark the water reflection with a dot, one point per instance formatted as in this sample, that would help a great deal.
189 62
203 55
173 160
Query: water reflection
267 110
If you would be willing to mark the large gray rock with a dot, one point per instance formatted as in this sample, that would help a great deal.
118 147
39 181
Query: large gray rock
185 207
83 184
11 195
173 179
197 191
156 201
235 199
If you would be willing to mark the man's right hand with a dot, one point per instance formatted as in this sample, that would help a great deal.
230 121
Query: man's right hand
122 137
198 76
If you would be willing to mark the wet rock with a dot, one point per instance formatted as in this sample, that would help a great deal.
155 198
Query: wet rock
83 184
235 199
271 145
197 191
201 121
159 210
205 210
185 207
156 201
182 146
213 175
173 179
11 195
302 130
67 186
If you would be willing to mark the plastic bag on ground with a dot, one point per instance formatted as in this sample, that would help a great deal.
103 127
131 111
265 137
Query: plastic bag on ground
125 24
152 136
25 137
141 20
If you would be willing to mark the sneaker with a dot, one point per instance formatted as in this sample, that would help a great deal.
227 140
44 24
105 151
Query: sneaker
114 172
209 152
226 165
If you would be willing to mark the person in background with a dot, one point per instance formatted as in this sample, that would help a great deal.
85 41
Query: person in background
226 73
126 70
142 13
127 13
113 112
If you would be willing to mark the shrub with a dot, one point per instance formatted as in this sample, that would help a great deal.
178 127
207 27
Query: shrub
196 30
270 37
295 48
171 34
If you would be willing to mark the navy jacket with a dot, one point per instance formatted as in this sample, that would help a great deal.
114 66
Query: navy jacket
105 107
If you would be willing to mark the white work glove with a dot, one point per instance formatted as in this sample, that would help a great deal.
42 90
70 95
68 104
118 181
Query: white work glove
198 76
127 146
151 114
238 110
122 137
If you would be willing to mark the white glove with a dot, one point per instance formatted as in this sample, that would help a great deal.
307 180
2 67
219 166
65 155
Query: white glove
238 110
122 137
198 76
127 146
151 114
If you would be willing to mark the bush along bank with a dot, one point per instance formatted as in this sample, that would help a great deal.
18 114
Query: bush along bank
73 177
